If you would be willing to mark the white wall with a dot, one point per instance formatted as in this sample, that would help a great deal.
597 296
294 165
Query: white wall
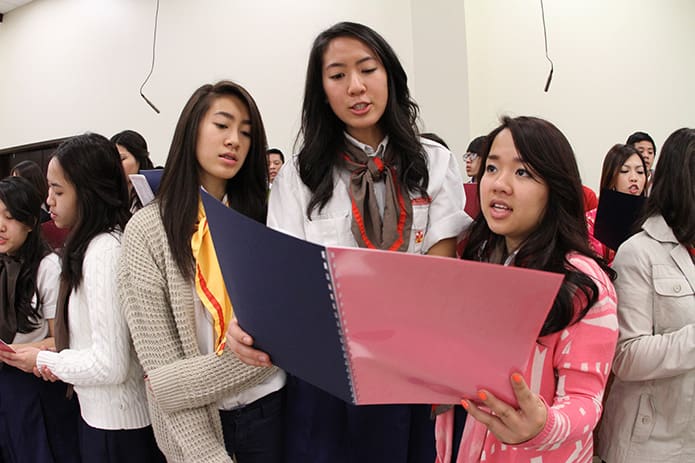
620 66
68 66
440 78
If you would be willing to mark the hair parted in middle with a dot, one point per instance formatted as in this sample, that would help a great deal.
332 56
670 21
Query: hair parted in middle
613 162
321 132
562 230
178 192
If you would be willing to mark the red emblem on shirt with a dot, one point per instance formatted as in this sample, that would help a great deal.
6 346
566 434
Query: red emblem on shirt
420 201
419 236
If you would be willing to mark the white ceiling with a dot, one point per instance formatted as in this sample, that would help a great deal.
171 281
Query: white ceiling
7 5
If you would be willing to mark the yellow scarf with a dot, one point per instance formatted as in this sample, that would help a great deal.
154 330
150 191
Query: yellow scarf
208 280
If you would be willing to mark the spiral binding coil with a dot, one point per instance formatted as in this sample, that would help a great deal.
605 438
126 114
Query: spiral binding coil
334 294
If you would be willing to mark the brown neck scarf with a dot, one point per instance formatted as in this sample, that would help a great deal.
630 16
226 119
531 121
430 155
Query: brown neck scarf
9 273
392 232
61 330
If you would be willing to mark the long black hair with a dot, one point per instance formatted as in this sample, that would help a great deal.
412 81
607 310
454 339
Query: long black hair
563 227
673 190
321 132
24 204
178 192
92 165
32 172
136 145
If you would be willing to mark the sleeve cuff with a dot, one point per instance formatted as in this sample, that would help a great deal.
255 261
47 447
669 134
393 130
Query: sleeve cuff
48 359
167 389
448 227
541 438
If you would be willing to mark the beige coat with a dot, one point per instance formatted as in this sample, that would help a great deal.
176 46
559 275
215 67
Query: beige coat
650 411
184 385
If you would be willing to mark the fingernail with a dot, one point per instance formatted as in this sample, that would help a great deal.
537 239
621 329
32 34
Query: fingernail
465 404
247 340
482 395
516 377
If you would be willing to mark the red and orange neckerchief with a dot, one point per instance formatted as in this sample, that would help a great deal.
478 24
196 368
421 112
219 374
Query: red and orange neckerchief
208 281
397 230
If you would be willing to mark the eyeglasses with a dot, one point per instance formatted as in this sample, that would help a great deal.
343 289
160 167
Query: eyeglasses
470 156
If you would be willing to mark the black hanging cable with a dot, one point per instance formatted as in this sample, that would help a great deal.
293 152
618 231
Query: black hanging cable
154 46
545 39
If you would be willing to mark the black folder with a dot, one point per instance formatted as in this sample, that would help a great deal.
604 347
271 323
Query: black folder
616 217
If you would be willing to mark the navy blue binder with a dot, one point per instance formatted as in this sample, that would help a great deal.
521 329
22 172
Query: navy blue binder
257 259
154 178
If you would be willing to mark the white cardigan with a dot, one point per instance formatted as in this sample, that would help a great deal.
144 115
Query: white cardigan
101 361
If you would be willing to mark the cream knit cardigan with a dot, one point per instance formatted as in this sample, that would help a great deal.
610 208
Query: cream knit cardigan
184 386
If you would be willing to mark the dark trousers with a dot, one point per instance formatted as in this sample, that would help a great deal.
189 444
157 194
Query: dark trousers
255 433
118 446
37 422
459 420
323 429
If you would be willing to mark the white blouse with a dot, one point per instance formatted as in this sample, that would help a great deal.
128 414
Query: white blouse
47 282
442 217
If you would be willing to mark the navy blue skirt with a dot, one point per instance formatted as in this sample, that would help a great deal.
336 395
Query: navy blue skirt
321 428
118 446
37 422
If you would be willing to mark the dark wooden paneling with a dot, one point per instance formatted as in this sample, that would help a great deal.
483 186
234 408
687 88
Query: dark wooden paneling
39 152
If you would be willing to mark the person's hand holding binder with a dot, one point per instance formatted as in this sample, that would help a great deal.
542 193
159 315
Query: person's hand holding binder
240 342
509 424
